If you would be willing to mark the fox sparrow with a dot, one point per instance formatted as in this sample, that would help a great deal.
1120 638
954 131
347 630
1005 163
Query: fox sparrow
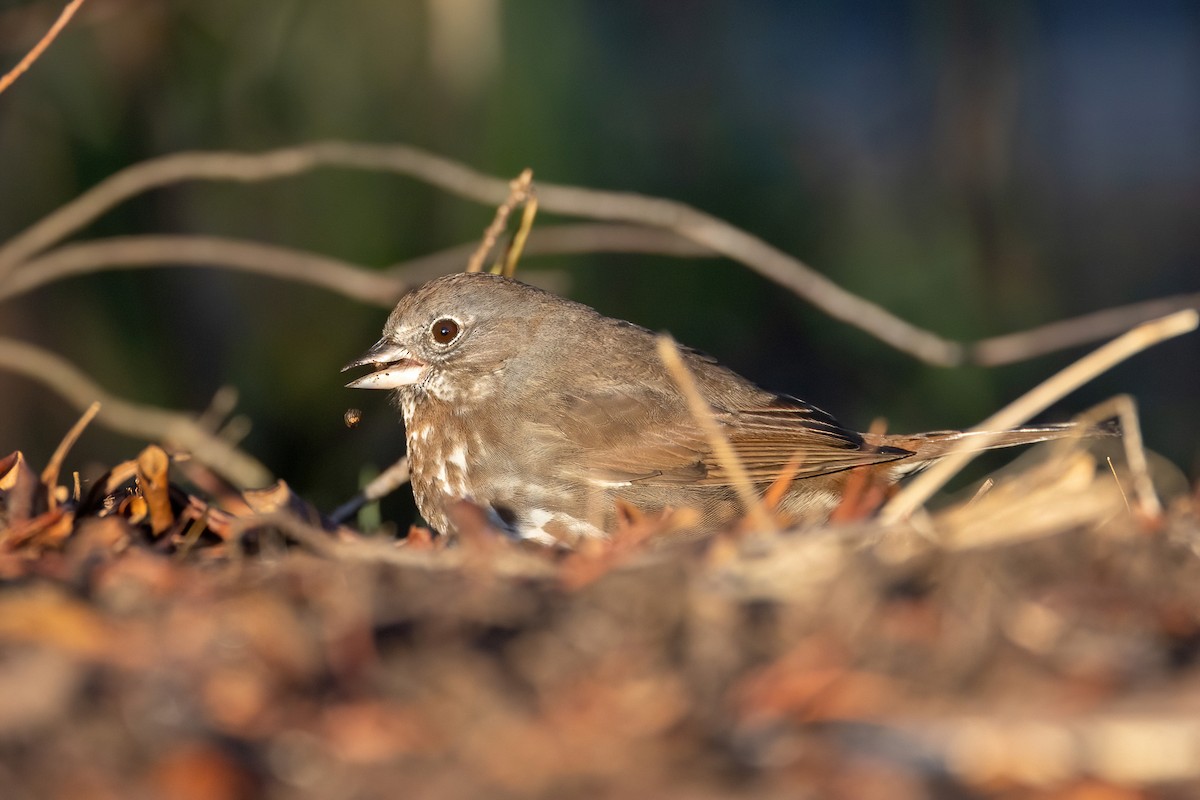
545 414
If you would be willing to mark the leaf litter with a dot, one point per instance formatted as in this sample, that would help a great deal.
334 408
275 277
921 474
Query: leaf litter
1034 639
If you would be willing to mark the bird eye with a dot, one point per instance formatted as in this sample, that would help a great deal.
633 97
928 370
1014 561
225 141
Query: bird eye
444 331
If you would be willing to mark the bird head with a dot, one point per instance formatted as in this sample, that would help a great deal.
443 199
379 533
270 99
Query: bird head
458 338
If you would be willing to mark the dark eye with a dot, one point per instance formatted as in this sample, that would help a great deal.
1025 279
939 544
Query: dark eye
444 331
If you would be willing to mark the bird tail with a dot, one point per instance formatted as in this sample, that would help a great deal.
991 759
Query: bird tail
931 446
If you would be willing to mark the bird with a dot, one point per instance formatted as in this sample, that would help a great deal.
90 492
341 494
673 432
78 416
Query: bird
553 418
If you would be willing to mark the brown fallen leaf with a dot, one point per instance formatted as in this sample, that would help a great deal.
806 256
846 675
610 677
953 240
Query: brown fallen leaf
44 532
154 482
18 489
369 732
811 682
421 538
866 490
593 558
279 498
99 537
200 772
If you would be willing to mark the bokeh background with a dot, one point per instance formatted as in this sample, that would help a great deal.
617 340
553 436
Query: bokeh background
975 167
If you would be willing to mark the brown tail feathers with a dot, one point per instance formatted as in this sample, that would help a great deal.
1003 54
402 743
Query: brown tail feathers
926 447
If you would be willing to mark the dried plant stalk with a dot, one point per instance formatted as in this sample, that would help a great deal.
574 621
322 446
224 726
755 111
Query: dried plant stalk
756 511
25 63
54 466
1034 401
518 192
706 232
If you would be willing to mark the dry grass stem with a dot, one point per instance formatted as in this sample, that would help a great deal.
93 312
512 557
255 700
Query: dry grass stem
983 489
1125 410
140 421
507 562
518 191
1135 455
756 511
54 466
1113 469
37 50
1033 402
1060 494
517 247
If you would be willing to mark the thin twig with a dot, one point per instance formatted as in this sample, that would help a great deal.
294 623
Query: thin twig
1113 469
983 489
518 191
375 287
456 178
145 422
243 168
50 473
756 511
1135 454
223 402
706 232
1023 345
382 485
1124 409
517 247
567 239
510 562
1034 401
133 252
32 56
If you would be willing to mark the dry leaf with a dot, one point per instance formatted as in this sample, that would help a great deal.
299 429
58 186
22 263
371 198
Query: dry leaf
152 474
18 489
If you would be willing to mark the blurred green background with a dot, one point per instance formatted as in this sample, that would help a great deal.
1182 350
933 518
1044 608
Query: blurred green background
975 167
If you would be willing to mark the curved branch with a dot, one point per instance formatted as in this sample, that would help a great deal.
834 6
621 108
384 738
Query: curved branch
244 168
132 419
453 177
1033 402
1044 339
133 252
373 287
679 223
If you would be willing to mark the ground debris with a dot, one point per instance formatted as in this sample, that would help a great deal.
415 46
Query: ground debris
1035 640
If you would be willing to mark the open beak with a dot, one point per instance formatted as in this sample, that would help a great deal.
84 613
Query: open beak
394 367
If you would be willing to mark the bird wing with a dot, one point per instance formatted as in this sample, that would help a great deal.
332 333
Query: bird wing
771 439
634 442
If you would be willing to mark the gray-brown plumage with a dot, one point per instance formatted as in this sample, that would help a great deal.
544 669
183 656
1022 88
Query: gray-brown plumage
547 413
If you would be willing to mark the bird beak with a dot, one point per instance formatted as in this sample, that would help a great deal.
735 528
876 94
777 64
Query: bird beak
394 367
